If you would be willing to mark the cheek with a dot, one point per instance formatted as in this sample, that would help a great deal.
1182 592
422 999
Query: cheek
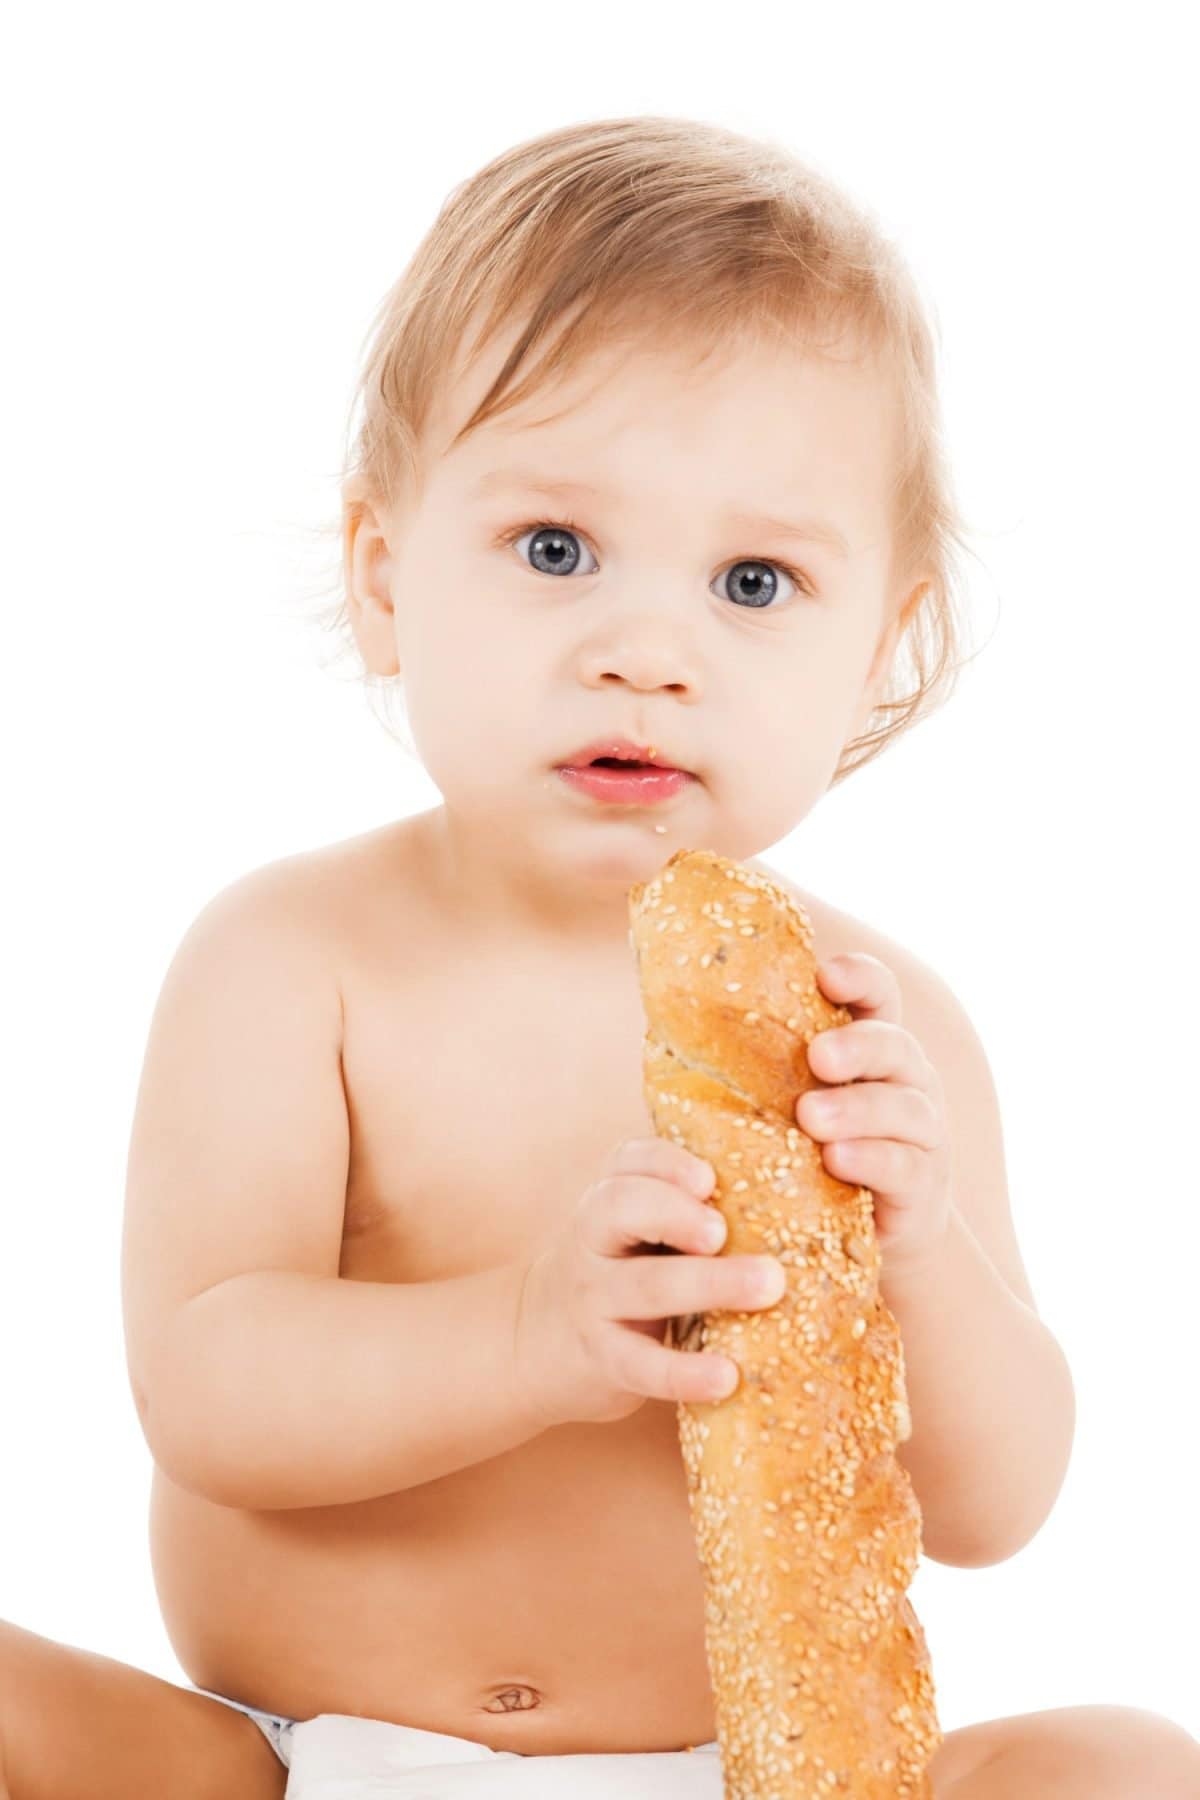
455 638
799 709
787 751
472 693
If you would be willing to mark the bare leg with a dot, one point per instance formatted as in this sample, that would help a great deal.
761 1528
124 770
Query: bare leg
1070 1753
75 1725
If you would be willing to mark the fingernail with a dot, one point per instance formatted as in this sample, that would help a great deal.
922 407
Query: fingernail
772 1279
726 1380
714 1230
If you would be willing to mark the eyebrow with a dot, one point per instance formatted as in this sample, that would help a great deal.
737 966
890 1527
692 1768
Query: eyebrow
819 531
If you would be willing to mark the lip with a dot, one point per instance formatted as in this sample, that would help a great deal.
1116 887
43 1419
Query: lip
618 747
627 787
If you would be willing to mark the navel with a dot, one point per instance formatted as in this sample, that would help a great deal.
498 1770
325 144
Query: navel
513 1699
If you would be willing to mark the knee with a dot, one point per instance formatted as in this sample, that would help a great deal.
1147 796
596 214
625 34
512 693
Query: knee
1147 1753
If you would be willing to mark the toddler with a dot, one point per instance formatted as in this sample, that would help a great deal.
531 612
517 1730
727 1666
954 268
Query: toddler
647 514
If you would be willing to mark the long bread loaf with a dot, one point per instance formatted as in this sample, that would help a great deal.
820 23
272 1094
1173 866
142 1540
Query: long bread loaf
806 1524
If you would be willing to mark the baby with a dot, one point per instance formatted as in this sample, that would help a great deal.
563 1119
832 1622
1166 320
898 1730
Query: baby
648 469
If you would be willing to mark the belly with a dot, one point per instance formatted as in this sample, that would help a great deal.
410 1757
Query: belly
549 1600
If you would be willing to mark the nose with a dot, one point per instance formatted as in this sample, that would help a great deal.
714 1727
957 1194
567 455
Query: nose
650 650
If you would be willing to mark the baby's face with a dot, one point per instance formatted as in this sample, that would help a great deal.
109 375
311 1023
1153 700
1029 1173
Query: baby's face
744 654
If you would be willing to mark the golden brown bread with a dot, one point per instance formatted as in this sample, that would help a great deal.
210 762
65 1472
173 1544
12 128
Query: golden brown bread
806 1524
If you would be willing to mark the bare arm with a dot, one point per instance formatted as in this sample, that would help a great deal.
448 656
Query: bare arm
989 1386
260 1376
279 1389
992 1404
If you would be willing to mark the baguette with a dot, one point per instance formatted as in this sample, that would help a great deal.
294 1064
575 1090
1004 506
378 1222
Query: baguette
806 1525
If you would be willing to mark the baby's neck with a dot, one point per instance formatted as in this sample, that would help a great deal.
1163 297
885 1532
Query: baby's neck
581 920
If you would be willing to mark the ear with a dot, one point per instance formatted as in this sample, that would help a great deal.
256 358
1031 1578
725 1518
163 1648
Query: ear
369 569
881 662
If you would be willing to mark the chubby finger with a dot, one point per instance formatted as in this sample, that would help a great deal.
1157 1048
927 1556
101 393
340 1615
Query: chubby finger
871 1109
668 1161
621 1213
669 1287
869 1049
891 1170
644 1366
855 979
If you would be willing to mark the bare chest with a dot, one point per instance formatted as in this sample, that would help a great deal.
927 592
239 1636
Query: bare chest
485 1093
483 1102
483 1099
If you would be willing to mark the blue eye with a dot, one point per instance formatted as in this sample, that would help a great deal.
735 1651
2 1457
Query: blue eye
554 547
554 551
758 592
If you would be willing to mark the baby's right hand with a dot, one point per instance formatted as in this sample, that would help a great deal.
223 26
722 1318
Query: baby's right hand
594 1304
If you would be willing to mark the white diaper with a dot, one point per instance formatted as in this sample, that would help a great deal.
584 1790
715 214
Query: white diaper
336 1756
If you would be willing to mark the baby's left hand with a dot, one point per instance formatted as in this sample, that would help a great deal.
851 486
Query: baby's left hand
886 1130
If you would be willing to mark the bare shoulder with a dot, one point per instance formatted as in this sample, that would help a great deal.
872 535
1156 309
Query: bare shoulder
925 997
328 890
933 1014
928 1006
326 874
836 931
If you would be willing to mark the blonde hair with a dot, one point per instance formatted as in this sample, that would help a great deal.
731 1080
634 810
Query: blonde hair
681 229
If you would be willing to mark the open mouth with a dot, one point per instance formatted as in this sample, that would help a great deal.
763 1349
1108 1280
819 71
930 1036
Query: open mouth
625 782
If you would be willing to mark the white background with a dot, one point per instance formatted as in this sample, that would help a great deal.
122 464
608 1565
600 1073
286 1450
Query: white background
204 207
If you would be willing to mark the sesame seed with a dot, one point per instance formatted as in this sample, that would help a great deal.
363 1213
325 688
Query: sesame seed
821 1673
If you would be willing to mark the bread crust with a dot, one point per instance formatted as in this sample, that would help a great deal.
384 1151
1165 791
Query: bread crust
806 1524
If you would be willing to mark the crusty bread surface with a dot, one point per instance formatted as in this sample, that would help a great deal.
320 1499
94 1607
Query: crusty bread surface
806 1524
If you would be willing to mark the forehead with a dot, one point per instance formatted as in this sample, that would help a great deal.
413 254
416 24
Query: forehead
754 420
